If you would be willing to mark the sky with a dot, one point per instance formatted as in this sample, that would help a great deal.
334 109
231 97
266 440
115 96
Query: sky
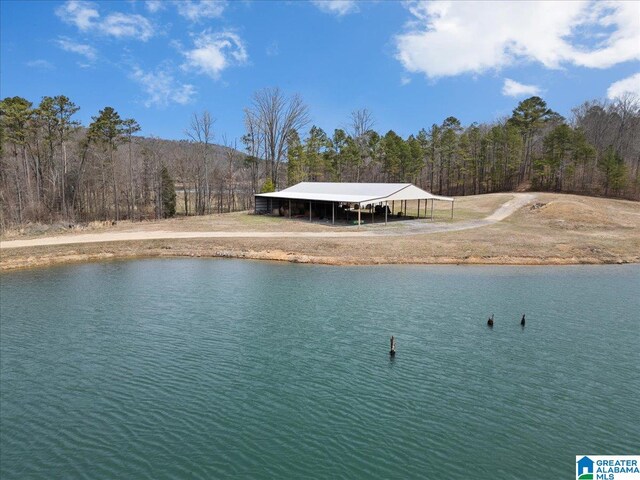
411 64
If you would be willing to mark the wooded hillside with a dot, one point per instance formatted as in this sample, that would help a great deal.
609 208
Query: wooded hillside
53 169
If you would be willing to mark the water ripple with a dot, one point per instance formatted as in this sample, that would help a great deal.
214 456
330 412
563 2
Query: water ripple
249 370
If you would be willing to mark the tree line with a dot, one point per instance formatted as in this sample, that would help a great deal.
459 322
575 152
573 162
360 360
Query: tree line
54 169
596 153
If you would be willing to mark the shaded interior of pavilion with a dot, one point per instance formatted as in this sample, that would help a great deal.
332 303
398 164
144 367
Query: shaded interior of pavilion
355 213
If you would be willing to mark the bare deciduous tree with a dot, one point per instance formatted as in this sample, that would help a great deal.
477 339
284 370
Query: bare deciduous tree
274 115
362 123
201 131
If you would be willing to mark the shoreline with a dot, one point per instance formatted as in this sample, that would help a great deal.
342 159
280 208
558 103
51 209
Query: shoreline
28 262
538 229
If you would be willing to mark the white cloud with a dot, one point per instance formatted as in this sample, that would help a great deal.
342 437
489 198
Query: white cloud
85 50
79 13
85 16
626 85
451 38
42 64
122 25
620 22
200 10
404 80
214 52
511 88
162 88
154 5
336 7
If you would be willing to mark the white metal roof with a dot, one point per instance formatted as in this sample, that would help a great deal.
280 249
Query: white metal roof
354 192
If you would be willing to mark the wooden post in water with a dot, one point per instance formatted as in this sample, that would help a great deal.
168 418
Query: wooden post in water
392 350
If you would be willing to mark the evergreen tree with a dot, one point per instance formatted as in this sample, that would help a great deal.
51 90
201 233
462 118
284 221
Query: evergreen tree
434 137
268 186
15 118
295 159
168 193
613 169
394 156
54 116
107 130
315 148
413 161
529 117
450 142
337 154
556 148
474 157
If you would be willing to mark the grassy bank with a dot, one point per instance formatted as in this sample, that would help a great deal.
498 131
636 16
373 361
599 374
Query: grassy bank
550 229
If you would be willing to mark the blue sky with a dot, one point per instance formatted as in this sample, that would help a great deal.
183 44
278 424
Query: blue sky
411 64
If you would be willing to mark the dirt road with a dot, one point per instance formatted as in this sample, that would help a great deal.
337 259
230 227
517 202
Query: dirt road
411 227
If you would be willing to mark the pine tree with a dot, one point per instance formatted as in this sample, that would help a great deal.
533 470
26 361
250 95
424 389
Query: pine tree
295 160
168 192
268 186
612 167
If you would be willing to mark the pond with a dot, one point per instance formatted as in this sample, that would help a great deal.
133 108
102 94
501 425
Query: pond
228 368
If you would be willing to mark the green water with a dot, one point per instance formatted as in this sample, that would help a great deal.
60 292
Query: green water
236 369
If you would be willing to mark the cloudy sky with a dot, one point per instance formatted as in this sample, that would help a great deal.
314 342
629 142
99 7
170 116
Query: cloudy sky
411 63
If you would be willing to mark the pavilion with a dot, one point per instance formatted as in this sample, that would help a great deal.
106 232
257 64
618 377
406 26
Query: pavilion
335 200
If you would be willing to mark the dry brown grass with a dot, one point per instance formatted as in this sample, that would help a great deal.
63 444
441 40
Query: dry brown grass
584 213
466 208
564 229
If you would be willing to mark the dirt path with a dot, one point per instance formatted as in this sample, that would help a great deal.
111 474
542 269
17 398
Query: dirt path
417 227
413 227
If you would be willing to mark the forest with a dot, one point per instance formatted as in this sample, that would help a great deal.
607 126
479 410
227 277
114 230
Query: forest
53 169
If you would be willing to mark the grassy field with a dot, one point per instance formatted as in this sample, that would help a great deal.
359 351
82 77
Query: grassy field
550 229
466 208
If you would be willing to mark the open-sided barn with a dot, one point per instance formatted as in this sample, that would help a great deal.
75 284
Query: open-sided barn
346 201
